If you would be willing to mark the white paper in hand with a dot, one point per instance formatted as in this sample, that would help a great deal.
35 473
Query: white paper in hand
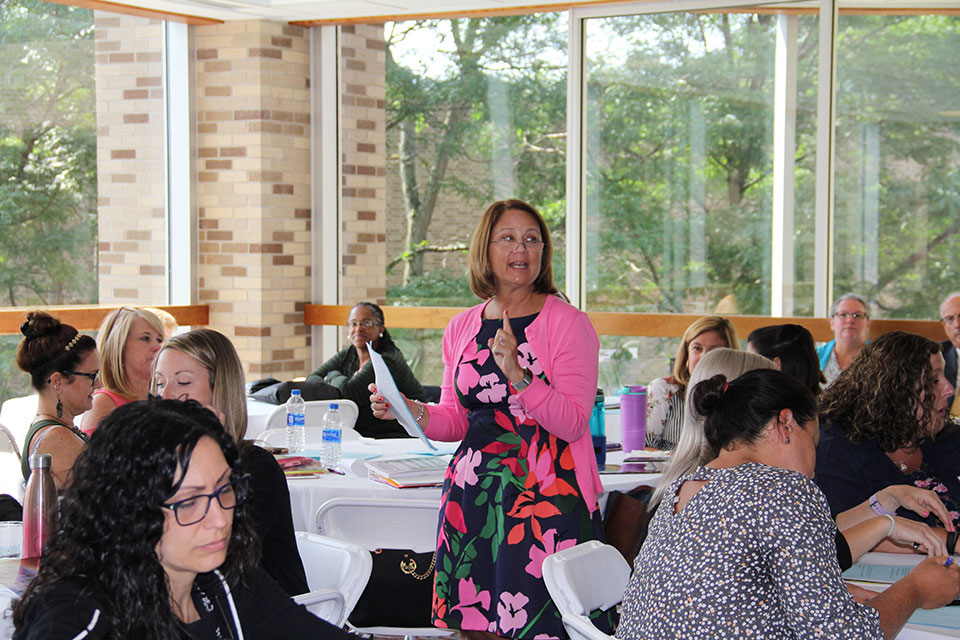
387 388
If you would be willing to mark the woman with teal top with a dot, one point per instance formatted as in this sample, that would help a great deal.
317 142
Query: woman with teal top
64 367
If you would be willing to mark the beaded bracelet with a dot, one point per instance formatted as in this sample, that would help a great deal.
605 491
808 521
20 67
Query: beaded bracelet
420 416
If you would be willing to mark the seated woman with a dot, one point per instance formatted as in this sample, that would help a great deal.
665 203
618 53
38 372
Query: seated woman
745 545
129 340
64 366
792 349
665 395
155 541
350 370
881 416
203 365
862 528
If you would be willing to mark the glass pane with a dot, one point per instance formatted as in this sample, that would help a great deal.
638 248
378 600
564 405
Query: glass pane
476 112
897 162
679 124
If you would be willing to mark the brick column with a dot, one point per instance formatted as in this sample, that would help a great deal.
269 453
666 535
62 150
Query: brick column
364 182
130 151
254 190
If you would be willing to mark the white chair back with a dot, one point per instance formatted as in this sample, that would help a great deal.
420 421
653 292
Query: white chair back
17 414
375 522
584 578
277 420
11 474
337 572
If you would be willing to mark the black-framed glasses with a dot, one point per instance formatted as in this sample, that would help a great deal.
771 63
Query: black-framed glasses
532 243
93 377
192 510
366 324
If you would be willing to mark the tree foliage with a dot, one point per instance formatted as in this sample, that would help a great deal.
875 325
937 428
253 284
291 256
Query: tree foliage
47 154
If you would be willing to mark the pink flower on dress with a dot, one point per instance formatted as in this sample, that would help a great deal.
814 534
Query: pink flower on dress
494 391
472 618
541 466
528 359
954 515
923 484
511 611
516 410
465 472
543 636
537 555
940 488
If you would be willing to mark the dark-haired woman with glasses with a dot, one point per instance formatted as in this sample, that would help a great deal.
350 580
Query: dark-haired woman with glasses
350 370
155 540
64 369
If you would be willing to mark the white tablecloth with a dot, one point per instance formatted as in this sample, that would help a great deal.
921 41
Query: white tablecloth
307 494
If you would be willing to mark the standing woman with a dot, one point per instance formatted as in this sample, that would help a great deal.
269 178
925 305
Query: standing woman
519 381
129 340
350 371
63 365
203 365
665 395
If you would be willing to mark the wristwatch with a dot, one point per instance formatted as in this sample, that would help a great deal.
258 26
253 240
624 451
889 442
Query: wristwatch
524 382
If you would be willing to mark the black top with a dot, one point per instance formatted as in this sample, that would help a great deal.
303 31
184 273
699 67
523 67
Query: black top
849 473
340 371
265 612
950 362
273 521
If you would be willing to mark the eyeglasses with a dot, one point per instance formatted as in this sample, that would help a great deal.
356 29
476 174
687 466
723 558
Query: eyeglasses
193 510
366 324
92 376
856 315
950 319
532 243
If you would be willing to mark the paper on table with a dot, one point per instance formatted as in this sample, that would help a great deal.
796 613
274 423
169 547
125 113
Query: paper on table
878 573
946 617
388 389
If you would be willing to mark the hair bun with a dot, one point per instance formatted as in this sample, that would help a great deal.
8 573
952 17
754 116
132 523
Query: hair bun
708 395
39 324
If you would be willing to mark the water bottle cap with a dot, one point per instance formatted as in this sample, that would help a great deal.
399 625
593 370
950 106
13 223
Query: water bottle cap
334 406
40 461
295 392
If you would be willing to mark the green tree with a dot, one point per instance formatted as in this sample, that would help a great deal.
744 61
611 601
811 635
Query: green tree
47 154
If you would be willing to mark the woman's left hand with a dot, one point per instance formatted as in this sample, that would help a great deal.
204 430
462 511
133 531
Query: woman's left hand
503 346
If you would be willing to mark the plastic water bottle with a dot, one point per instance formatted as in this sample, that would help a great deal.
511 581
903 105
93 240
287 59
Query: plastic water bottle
296 422
332 435
41 513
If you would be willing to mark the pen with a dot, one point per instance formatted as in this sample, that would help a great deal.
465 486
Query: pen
336 471
948 562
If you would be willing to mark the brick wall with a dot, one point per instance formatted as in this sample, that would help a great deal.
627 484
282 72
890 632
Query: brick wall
363 187
131 216
254 190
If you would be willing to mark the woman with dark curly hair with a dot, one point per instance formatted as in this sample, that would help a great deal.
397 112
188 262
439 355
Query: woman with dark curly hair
880 418
155 541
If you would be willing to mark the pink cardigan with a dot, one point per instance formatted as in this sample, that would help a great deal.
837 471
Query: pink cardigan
567 349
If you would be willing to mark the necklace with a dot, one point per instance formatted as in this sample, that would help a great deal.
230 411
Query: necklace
903 463
72 427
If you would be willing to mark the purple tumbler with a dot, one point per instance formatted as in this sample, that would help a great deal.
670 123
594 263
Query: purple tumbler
633 417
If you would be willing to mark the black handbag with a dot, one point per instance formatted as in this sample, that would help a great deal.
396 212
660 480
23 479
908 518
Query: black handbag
399 592
625 520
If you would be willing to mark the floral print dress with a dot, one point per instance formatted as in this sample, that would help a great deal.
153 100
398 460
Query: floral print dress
925 478
510 499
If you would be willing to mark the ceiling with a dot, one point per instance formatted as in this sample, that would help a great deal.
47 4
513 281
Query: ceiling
335 10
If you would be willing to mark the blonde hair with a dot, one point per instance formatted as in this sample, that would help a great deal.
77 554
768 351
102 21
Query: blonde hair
217 355
692 449
681 373
111 339
481 275
170 325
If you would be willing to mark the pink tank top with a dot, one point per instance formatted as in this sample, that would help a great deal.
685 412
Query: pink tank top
117 400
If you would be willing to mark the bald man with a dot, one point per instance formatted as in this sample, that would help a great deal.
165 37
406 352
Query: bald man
950 319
